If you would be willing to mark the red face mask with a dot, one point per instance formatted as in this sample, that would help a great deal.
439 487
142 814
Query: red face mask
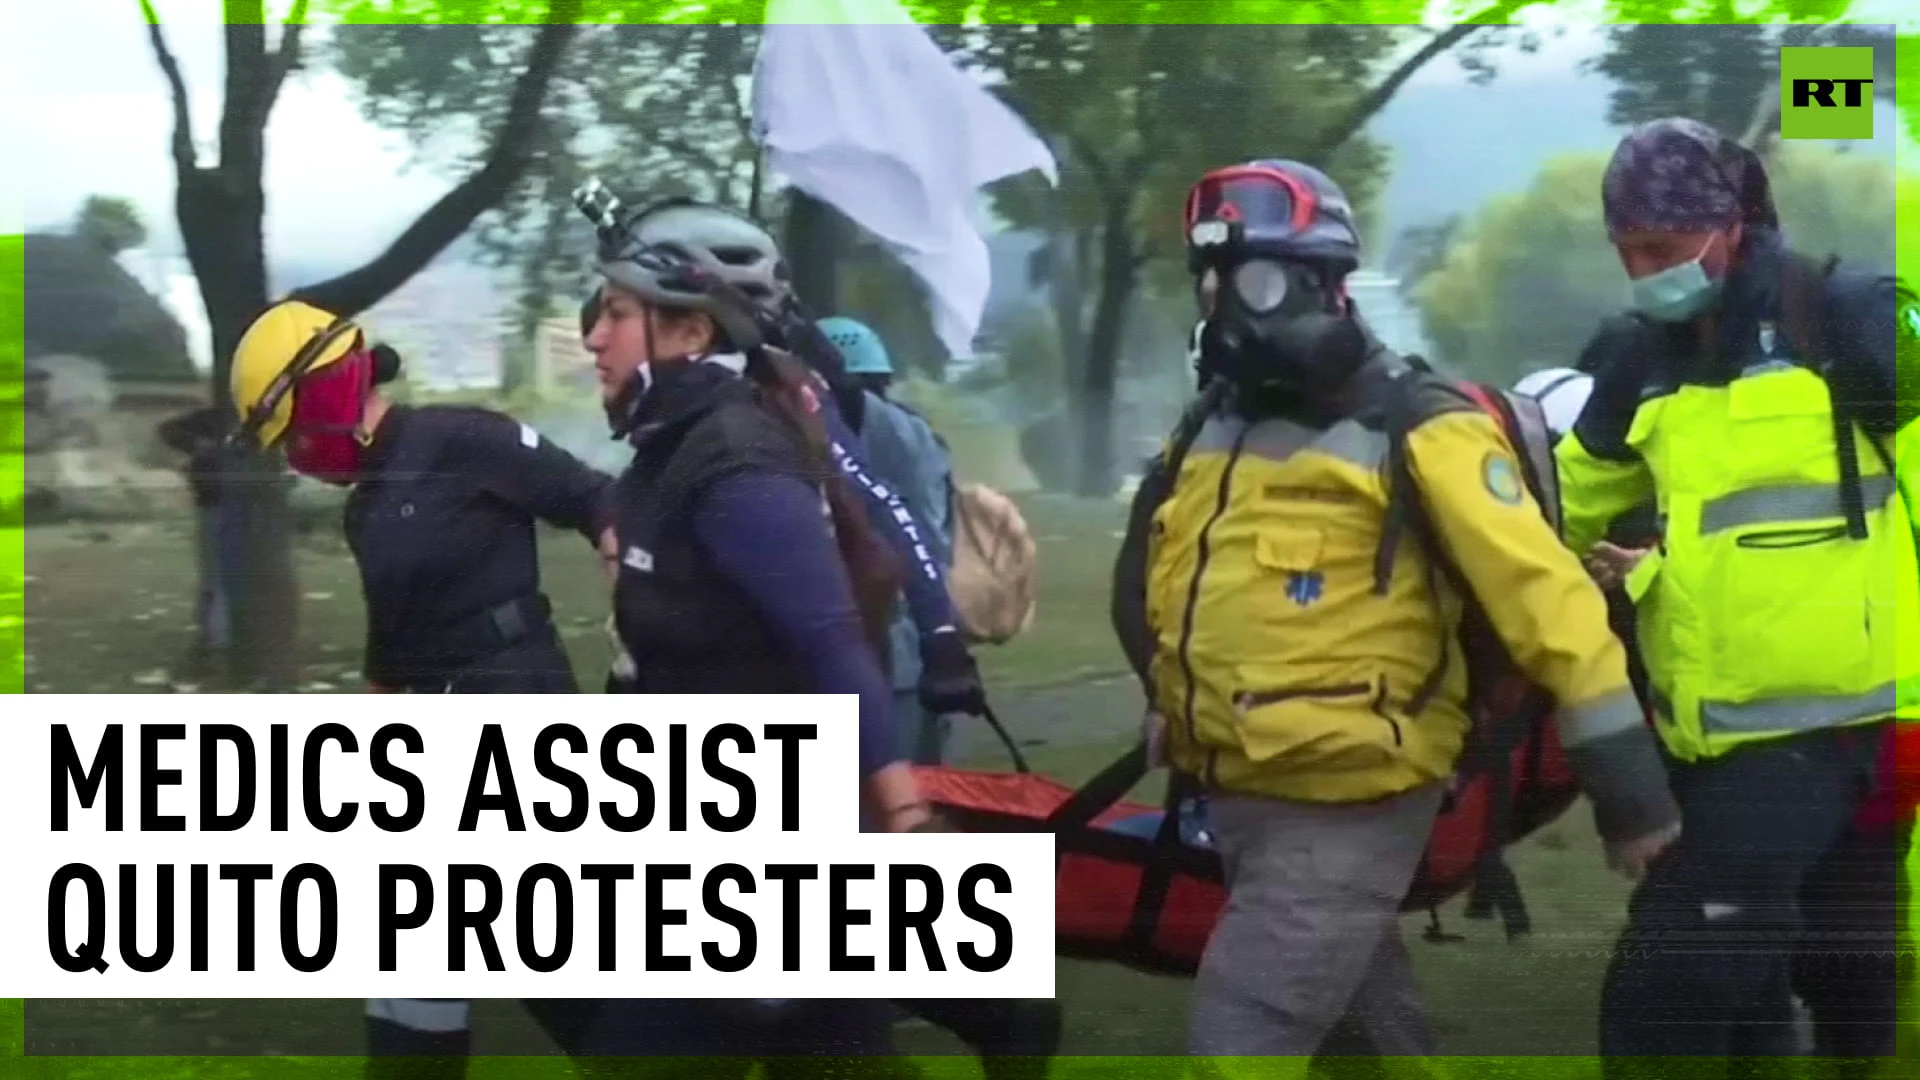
325 440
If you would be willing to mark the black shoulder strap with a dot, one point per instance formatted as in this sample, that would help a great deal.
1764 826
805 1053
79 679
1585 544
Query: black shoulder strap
1405 506
1406 510
1525 421
1128 604
1803 288
1190 424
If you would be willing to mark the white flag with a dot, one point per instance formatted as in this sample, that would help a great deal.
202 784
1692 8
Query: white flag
874 120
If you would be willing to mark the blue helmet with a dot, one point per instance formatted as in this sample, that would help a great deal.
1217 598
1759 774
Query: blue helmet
859 346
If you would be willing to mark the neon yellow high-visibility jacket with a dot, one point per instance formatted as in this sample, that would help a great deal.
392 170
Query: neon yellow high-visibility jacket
1907 458
1760 616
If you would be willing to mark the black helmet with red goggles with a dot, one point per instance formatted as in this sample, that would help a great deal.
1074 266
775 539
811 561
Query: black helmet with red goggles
1272 208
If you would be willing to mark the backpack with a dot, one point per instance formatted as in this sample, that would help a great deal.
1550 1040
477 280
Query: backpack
992 582
1512 776
911 458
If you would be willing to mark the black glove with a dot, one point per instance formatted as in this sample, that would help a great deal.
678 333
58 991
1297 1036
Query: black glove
949 679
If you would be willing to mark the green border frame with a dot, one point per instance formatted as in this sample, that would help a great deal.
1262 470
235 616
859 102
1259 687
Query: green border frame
13 1061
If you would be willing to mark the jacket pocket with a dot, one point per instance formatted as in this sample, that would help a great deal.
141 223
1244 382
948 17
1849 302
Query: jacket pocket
1289 548
1289 575
1786 612
1336 727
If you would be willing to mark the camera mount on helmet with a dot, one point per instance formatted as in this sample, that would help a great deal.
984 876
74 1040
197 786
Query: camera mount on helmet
667 273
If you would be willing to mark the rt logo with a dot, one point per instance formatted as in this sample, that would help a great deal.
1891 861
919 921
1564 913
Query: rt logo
1826 93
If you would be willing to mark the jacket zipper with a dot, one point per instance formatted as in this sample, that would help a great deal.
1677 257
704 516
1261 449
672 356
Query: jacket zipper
1254 699
1193 587
1248 700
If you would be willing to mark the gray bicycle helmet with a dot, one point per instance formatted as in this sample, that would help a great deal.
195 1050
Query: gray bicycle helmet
673 254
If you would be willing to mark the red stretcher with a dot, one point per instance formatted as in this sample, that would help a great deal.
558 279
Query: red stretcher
1141 884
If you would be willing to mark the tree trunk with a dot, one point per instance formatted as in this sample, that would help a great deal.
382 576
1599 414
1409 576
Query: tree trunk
1119 274
817 236
221 210
1067 296
1067 291
220 218
537 293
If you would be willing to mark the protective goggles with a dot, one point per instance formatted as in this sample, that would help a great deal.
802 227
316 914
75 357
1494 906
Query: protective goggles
1228 205
262 411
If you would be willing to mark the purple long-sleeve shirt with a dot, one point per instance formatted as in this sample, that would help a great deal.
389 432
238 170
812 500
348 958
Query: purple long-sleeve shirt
771 536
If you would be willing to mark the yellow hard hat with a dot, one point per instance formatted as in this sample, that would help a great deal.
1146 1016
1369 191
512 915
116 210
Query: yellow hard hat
289 340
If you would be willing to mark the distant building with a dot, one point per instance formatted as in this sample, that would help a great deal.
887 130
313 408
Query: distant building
447 322
1392 317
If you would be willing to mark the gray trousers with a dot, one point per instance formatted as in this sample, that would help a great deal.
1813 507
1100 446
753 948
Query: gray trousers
215 618
1310 937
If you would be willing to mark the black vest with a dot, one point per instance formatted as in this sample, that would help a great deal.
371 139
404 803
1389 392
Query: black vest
687 628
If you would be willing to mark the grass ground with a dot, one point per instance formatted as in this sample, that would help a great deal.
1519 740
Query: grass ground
109 611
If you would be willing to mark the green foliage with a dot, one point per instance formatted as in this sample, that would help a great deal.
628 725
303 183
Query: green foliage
1136 112
1531 276
654 110
878 290
516 365
111 223
1718 12
1033 362
1839 203
1719 75
1420 250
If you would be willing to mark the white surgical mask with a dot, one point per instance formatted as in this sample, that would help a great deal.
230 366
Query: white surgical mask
1678 293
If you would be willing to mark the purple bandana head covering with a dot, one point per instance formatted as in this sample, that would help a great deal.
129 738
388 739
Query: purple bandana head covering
1679 175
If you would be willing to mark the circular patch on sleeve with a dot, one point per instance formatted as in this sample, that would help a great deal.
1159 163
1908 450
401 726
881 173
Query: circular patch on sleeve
1502 478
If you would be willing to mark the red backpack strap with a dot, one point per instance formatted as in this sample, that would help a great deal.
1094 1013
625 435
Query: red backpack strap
1483 397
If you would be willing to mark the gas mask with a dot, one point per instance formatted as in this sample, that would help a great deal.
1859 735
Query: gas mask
1281 325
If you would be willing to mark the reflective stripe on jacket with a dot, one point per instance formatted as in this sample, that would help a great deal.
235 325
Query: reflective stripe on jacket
1762 617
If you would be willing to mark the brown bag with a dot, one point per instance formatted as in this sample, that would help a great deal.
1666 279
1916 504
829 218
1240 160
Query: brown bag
995 563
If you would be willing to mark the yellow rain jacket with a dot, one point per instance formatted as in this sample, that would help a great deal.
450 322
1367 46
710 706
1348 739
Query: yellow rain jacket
1280 670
